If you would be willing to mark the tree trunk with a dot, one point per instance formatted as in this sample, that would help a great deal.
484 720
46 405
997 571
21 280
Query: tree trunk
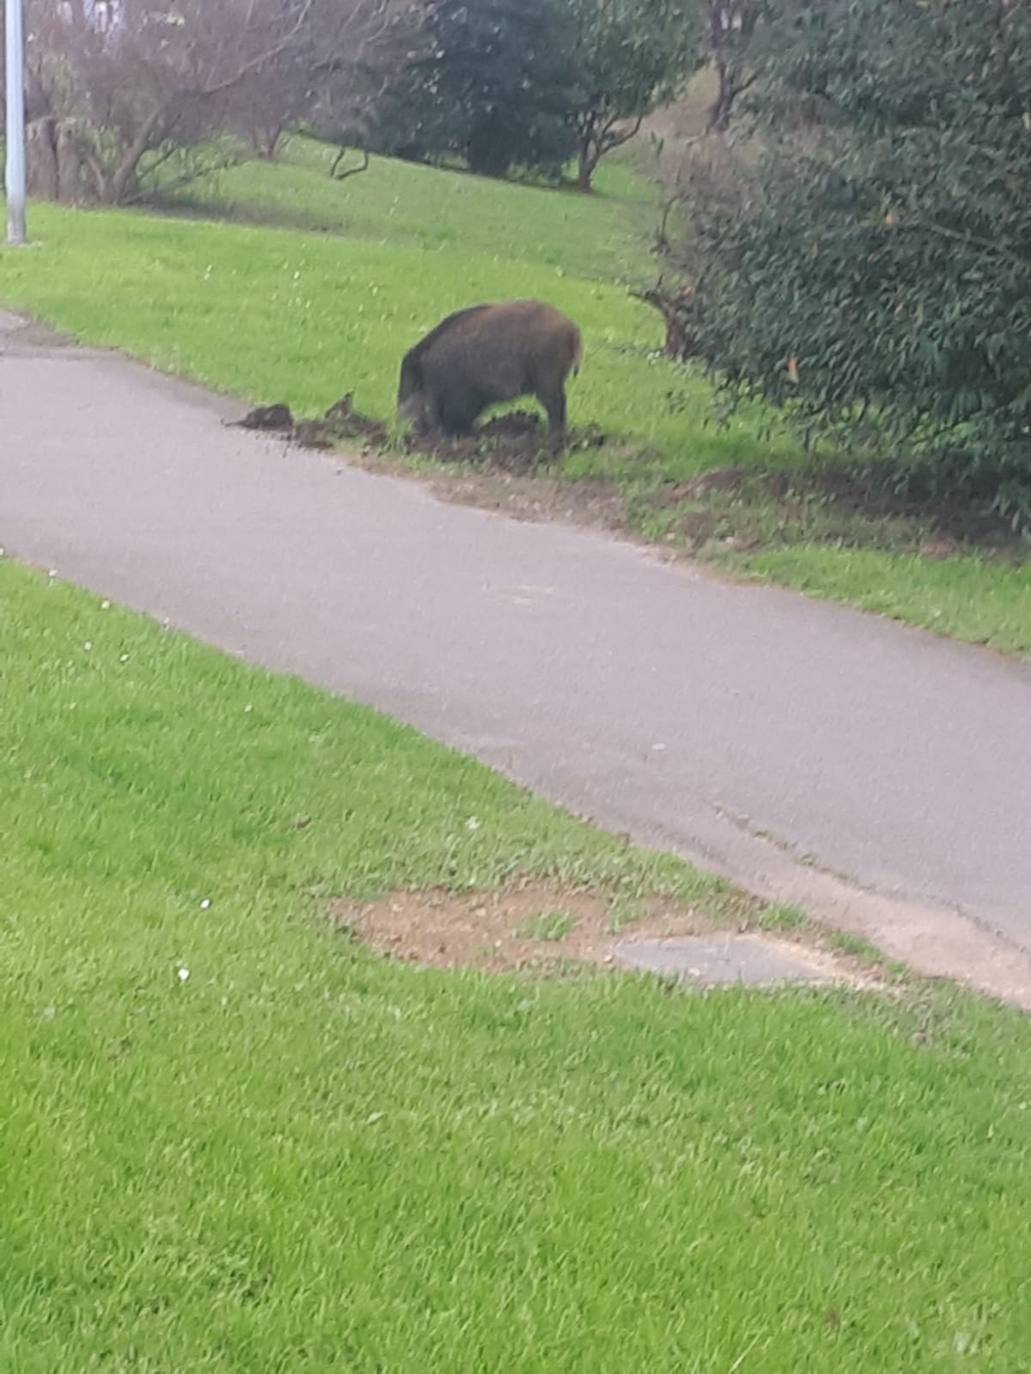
675 310
122 179
721 107
266 143
69 163
588 165
42 159
55 160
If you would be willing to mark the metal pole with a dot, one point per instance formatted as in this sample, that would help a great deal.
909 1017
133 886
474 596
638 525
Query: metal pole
15 136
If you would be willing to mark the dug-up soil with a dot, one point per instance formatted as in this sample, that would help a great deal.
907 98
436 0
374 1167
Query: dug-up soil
536 928
513 443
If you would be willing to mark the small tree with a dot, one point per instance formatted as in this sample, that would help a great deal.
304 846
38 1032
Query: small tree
124 88
880 263
729 29
631 56
132 85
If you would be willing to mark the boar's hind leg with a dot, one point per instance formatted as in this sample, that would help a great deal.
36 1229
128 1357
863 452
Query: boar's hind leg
553 399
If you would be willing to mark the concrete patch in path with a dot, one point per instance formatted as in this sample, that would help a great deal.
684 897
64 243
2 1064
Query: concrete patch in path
720 961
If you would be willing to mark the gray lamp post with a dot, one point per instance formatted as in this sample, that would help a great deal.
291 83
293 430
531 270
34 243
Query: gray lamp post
15 136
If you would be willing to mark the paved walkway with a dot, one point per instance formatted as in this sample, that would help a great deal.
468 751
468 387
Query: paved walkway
875 774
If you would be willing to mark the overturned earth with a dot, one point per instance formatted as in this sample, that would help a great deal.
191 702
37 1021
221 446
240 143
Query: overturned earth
514 442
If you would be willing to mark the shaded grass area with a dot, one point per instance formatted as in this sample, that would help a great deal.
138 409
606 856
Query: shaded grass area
602 237
285 314
301 1157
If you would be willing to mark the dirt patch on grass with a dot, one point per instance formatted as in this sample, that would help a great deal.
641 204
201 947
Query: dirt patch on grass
534 928
588 502
544 929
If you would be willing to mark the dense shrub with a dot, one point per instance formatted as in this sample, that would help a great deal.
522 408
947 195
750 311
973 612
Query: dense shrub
876 261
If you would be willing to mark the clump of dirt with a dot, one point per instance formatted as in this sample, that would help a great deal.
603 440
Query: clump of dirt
536 927
340 424
716 479
276 419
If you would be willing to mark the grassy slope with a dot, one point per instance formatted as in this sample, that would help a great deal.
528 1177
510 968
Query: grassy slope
274 314
305 1158
399 202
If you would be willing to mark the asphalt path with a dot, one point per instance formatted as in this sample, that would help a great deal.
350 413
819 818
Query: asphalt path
877 775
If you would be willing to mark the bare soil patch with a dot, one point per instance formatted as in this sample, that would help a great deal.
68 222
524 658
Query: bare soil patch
522 497
534 928
544 929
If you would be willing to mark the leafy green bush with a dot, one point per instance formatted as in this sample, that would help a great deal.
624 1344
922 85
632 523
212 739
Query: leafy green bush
873 268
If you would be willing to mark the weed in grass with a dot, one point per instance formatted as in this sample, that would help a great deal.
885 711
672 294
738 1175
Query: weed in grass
782 918
854 946
550 926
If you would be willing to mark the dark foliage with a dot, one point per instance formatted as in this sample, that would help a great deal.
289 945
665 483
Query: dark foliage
489 81
874 269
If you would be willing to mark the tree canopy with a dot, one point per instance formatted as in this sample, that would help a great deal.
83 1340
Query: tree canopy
485 80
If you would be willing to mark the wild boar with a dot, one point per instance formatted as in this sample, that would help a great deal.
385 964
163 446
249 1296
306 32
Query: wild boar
485 355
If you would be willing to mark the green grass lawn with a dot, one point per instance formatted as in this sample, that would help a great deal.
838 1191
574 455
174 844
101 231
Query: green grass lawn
331 302
305 1158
